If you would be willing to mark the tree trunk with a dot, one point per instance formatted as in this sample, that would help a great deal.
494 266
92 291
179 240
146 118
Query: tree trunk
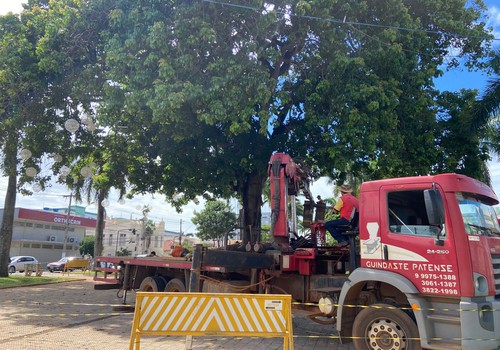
10 166
99 228
252 203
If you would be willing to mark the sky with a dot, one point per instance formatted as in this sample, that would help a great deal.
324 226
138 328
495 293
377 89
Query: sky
56 196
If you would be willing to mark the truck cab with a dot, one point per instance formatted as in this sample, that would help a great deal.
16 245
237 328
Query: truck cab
429 251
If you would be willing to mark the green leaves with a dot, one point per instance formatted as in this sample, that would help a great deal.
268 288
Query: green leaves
215 221
196 96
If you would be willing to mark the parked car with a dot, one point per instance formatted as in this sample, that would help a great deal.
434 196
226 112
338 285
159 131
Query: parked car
17 263
61 263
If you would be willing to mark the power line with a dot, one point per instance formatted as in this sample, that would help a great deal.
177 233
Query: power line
345 21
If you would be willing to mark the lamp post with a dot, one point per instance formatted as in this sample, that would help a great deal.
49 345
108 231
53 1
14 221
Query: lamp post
66 230
118 237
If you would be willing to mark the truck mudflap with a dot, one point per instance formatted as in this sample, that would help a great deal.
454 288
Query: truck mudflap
480 322
465 324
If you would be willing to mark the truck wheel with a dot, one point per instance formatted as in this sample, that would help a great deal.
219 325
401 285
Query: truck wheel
153 284
175 285
161 282
380 328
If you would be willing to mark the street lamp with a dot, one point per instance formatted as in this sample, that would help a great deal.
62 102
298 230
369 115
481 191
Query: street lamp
118 237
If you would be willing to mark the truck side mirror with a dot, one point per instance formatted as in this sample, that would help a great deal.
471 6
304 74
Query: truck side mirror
434 207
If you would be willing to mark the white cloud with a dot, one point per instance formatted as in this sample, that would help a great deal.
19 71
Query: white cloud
56 197
11 6
494 20
494 167
494 16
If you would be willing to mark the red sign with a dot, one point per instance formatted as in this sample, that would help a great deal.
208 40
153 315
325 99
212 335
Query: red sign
45 216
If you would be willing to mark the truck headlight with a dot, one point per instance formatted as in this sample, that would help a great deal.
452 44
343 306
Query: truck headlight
480 285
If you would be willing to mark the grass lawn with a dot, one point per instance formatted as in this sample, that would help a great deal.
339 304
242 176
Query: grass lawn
21 280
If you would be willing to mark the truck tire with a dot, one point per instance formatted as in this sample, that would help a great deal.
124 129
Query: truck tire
175 285
378 327
153 284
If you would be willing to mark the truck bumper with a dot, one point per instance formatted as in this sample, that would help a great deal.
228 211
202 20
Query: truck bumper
480 324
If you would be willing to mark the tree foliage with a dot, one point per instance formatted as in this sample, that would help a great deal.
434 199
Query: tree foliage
46 54
461 149
87 245
215 221
33 97
487 109
192 98
226 85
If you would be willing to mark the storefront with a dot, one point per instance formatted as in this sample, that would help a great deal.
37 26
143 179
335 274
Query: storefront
46 235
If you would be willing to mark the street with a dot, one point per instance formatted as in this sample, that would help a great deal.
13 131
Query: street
72 315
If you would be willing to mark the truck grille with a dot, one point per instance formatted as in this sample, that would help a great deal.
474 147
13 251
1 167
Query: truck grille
495 258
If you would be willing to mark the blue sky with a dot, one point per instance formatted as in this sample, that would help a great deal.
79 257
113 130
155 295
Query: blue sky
451 81
460 78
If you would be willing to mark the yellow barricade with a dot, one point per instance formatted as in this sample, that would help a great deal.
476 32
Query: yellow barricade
76 264
215 314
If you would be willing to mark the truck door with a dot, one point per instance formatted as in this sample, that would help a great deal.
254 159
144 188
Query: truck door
411 246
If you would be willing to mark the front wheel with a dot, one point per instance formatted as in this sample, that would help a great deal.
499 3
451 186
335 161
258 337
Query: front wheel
378 327
12 269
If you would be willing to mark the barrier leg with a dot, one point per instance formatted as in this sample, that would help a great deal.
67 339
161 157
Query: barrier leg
290 323
189 342
135 338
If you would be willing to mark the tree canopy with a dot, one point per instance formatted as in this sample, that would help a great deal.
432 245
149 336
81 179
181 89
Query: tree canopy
87 245
215 221
34 103
487 109
209 90
45 54
192 97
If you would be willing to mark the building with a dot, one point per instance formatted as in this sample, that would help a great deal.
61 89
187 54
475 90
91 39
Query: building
47 235
126 236
77 210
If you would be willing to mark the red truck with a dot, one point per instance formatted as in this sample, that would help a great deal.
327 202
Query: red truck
422 269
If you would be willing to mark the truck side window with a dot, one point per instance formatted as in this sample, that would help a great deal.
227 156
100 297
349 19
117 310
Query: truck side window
407 215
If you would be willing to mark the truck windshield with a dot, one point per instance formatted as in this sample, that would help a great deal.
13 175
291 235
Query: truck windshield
479 218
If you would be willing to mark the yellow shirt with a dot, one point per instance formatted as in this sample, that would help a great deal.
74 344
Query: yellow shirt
338 205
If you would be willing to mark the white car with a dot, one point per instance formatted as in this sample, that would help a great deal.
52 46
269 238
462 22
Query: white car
17 263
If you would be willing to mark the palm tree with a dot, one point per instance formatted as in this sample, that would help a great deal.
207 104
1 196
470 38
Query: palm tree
487 109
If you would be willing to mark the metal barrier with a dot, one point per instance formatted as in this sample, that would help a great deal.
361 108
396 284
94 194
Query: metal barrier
31 268
218 314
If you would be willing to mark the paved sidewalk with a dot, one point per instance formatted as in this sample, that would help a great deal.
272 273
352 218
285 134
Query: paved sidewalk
72 315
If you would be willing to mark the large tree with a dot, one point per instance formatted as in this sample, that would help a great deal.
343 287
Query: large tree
459 143
206 91
24 122
44 56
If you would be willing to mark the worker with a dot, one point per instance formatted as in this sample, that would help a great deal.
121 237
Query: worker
345 205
